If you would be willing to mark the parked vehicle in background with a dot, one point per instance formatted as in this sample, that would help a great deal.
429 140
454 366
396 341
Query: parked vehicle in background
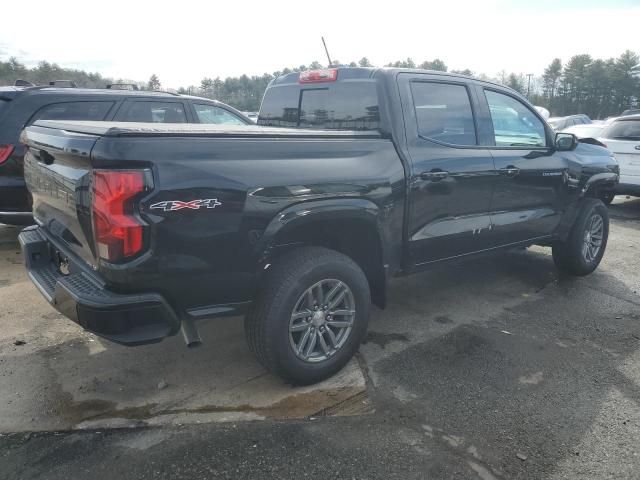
622 137
377 173
22 106
632 111
253 116
560 123
587 130
543 112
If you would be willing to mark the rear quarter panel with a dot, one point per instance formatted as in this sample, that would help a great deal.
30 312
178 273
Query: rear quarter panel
211 256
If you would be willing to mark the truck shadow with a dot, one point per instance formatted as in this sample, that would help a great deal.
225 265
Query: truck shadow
625 208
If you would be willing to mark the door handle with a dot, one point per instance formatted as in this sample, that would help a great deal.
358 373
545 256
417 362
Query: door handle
509 171
434 175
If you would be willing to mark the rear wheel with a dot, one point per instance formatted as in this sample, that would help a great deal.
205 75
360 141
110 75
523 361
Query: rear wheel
310 316
582 251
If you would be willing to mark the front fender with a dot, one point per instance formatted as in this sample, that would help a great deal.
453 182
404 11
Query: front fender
595 181
600 179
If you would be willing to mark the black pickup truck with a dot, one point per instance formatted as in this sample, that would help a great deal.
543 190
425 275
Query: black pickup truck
352 176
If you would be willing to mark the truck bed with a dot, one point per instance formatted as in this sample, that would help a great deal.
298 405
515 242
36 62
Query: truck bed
128 129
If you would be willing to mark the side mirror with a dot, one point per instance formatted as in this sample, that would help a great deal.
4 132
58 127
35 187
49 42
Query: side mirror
566 141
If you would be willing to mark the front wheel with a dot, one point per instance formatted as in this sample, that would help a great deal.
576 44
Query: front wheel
581 253
311 315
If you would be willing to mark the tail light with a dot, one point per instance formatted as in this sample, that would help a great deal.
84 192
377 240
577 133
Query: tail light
318 76
118 232
5 152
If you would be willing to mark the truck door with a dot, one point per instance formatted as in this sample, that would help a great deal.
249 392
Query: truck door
528 194
452 174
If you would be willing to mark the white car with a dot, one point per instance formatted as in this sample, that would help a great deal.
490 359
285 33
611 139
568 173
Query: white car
253 116
622 137
587 130
560 123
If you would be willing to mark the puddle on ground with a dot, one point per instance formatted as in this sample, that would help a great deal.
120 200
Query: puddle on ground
343 401
383 339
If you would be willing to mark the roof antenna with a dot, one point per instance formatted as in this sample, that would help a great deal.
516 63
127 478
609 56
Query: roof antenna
326 51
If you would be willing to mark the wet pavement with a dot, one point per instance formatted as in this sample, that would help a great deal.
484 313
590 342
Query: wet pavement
55 376
493 368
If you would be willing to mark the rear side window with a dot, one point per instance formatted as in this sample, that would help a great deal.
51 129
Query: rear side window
280 107
153 112
514 125
339 106
216 115
95 111
623 130
443 112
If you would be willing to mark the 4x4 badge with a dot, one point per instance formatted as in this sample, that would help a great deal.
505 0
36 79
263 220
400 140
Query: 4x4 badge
173 205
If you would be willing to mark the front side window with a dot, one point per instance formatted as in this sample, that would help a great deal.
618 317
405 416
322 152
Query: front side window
216 115
153 112
95 111
514 125
443 112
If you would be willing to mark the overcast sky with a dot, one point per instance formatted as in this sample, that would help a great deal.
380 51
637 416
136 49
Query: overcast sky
186 40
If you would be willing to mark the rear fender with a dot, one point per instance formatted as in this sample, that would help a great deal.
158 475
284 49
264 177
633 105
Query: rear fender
350 226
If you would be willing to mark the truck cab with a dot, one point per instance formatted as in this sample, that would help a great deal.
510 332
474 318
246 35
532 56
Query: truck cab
483 170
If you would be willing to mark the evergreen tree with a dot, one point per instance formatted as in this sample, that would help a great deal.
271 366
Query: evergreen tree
154 83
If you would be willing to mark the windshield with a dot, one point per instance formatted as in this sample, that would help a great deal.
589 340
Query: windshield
623 130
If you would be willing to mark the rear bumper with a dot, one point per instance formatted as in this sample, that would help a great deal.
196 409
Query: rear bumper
131 319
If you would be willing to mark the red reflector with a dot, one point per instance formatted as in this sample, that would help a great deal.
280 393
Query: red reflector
319 76
118 233
5 152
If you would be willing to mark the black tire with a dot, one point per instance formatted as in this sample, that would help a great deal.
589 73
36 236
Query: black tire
570 256
267 323
607 197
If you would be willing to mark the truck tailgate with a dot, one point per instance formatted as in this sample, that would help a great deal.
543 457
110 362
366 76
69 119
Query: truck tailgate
57 172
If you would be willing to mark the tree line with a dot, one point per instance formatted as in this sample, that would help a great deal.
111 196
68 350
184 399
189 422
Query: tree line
597 87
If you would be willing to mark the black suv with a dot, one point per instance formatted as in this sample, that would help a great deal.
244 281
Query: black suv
22 106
